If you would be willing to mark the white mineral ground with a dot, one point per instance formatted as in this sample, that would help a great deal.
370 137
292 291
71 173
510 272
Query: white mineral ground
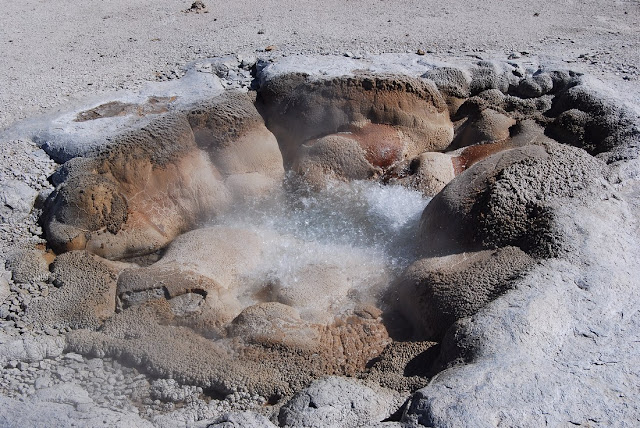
575 322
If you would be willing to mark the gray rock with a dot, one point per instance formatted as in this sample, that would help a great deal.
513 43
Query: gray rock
452 81
435 292
485 126
64 393
16 198
241 420
43 382
39 414
587 117
490 75
508 199
535 86
558 350
95 364
72 356
5 277
403 365
247 61
85 293
28 265
29 348
335 401
63 137
168 390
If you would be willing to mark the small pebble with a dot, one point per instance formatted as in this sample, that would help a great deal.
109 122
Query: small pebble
74 357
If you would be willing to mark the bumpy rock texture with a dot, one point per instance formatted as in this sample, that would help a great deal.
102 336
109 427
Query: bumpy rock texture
148 186
437 291
84 295
269 349
201 273
546 352
136 195
511 280
507 199
403 366
61 410
560 347
232 132
240 420
352 127
586 119
182 317
334 401
427 173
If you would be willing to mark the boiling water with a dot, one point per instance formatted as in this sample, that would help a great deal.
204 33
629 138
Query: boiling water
325 251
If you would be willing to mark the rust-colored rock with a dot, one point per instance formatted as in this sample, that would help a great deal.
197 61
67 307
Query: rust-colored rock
298 108
149 185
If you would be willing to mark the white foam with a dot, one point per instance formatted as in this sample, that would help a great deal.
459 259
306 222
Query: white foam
329 250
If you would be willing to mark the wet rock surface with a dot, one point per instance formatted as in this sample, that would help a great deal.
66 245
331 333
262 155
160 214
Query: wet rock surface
148 186
151 312
308 114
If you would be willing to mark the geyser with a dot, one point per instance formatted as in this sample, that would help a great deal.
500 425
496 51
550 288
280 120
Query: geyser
258 241
328 251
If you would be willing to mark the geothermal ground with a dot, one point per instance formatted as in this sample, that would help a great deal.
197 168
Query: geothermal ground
389 214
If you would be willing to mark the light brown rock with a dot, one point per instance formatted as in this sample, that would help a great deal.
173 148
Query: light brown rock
335 156
152 184
84 294
146 188
208 265
486 126
271 351
428 173
232 132
298 109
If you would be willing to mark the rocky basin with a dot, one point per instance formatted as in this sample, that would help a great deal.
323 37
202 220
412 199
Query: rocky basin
332 241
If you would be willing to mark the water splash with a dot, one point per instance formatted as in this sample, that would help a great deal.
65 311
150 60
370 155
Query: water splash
330 249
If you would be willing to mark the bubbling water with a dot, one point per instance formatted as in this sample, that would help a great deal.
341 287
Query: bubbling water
326 251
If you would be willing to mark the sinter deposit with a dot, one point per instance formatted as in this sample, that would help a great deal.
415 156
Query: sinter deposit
381 242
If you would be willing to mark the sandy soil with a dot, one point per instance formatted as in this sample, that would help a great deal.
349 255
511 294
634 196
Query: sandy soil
53 52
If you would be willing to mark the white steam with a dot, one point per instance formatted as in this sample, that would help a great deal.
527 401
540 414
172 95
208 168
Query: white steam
325 251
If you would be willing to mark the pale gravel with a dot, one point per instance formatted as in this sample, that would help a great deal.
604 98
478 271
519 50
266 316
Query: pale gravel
55 51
